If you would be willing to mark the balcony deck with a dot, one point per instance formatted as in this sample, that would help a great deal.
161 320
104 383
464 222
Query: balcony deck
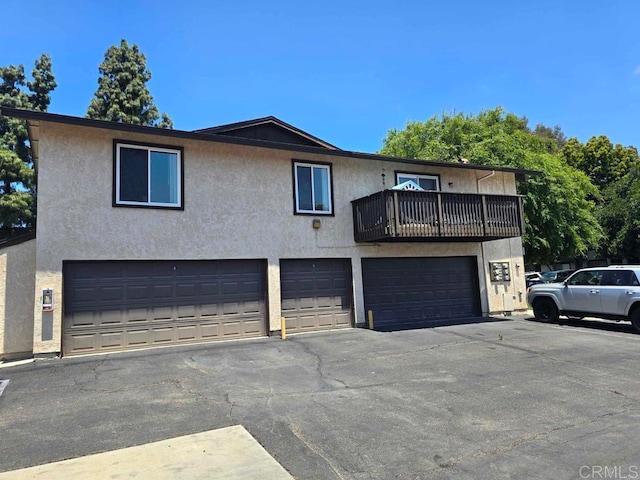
413 216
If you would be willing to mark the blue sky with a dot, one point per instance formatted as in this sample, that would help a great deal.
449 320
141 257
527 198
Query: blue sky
348 71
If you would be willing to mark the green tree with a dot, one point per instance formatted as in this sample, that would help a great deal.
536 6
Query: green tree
603 162
559 205
554 133
619 217
122 94
17 178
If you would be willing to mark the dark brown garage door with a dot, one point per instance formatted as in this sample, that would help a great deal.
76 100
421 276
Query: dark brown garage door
316 294
125 305
420 292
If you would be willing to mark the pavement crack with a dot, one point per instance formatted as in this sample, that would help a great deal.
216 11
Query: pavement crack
193 363
231 404
315 449
319 366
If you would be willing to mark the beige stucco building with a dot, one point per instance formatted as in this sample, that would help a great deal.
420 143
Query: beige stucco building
148 237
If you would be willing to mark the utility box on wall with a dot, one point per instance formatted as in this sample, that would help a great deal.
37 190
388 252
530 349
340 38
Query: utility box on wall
47 300
499 271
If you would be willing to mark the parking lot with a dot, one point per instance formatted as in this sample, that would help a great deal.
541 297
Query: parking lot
509 398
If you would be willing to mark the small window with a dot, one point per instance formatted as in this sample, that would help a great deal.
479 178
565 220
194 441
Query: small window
312 184
428 182
148 176
620 278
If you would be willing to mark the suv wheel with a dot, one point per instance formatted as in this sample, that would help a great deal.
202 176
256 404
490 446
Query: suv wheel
635 318
545 310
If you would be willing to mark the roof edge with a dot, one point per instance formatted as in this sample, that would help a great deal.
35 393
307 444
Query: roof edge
17 240
126 127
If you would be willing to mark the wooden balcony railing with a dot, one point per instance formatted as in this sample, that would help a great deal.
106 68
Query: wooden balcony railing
397 215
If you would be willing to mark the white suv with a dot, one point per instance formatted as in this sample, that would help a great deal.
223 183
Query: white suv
612 293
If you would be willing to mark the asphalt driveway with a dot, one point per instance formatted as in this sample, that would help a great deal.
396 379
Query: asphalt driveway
503 399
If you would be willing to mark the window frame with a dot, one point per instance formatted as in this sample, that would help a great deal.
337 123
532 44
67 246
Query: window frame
305 163
632 278
594 275
429 176
179 151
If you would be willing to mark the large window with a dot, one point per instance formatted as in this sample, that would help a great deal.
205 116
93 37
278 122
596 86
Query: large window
312 184
148 176
428 182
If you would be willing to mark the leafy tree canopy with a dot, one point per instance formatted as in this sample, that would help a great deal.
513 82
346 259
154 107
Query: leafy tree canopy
619 217
17 179
559 205
603 162
554 133
122 94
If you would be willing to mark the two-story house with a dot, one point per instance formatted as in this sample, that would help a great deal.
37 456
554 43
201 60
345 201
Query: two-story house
150 237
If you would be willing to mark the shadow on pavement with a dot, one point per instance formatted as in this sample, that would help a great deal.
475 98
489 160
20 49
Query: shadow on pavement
445 322
594 324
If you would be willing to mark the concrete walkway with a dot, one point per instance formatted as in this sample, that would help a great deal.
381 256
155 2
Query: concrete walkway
226 453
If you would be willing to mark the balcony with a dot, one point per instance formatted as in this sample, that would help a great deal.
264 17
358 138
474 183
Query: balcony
410 216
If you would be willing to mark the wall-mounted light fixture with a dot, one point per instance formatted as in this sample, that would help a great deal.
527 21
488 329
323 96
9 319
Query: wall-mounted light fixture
316 223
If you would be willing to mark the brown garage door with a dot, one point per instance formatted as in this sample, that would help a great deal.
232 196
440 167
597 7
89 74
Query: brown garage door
420 292
316 294
125 305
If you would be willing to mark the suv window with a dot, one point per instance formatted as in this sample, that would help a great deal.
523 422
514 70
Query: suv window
622 278
589 277
562 276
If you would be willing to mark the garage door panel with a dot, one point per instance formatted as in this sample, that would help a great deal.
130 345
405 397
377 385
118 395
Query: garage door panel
316 294
138 337
162 335
342 319
326 320
161 313
405 292
108 317
83 343
186 311
251 327
207 330
107 294
87 294
252 307
164 302
306 303
187 290
108 339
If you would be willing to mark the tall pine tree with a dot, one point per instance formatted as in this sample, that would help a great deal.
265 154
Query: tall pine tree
17 177
122 94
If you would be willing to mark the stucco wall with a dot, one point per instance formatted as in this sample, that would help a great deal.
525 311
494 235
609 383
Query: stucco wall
17 280
238 203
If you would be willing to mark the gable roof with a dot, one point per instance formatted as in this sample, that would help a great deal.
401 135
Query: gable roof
34 117
268 128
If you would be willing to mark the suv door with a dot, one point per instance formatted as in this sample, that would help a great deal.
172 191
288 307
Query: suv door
616 289
582 292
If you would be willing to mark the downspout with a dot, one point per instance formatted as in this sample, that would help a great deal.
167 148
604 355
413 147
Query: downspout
493 172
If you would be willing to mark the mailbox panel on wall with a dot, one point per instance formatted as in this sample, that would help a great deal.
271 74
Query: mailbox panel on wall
499 271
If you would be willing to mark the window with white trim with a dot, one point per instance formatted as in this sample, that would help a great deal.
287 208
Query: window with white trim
312 183
148 176
428 182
